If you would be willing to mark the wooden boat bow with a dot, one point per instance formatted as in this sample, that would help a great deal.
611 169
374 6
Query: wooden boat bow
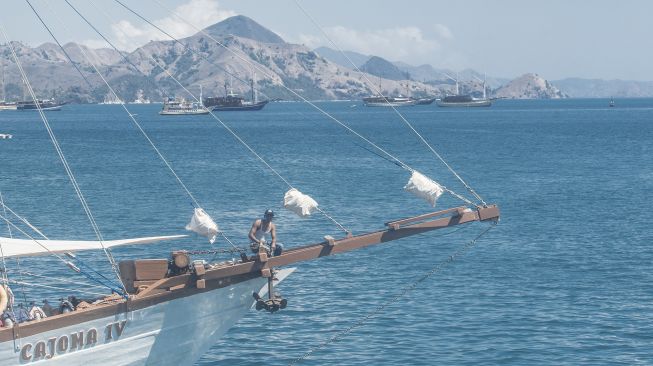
261 265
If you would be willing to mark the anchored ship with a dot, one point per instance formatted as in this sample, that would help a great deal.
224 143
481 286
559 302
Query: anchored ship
171 310
44 104
234 102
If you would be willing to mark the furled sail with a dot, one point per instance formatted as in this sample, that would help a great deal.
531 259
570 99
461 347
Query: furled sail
424 187
202 224
299 203
30 247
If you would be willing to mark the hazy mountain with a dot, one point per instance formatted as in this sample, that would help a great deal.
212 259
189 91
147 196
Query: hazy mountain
280 63
243 27
529 86
337 57
596 88
380 67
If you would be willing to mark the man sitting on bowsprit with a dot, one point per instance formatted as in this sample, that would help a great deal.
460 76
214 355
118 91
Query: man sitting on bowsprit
262 227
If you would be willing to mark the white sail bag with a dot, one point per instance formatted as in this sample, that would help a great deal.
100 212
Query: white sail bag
299 203
423 187
202 224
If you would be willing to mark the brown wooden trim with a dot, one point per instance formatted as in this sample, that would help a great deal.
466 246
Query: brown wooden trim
397 223
27 329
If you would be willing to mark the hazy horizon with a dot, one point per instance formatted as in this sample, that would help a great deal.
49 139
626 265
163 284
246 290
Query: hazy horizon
556 39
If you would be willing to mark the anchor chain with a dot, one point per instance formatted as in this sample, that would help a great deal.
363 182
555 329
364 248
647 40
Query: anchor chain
463 250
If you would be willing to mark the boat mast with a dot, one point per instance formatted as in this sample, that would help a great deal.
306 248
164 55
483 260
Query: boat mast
484 87
3 80
254 94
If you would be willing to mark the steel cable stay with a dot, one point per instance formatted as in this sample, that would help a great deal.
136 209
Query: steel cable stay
380 308
59 279
131 115
235 76
64 162
196 99
56 255
259 157
248 147
258 68
121 53
219 120
401 116
53 287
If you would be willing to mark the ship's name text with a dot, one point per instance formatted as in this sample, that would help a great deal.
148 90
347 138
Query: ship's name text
46 349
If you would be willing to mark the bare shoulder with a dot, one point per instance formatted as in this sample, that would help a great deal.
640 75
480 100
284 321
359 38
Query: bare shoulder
256 223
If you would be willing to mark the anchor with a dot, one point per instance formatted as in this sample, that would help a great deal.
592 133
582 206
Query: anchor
274 301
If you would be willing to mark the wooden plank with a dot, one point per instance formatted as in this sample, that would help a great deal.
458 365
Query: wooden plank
150 269
396 223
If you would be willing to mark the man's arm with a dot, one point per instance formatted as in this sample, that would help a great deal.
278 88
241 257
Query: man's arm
273 235
252 231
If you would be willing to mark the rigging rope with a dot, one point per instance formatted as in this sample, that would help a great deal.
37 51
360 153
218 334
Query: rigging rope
260 158
401 116
64 161
54 288
260 69
22 219
185 46
2 253
131 115
361 322
62 48
235 135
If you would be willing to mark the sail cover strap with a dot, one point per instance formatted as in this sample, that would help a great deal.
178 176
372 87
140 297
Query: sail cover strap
301 204
424 187
202 224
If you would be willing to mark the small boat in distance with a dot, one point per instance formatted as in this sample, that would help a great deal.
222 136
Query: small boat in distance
7 106
463 101
611 102
424 101
5 136
44 104
383 101
180 106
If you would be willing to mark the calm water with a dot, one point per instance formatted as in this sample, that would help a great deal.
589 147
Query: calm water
565 279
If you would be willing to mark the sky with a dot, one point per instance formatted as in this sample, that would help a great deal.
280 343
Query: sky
504 38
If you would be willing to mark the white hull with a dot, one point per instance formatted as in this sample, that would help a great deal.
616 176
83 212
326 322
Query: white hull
176 332
391 104
184 112
474 103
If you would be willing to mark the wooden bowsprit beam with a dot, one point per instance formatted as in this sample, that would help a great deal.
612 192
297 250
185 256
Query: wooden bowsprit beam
396 230
262 264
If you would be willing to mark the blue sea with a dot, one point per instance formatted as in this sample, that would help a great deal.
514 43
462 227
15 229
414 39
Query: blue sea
566 278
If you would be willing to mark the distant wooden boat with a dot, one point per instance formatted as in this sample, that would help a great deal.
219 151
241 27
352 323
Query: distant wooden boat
463 101
44 105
